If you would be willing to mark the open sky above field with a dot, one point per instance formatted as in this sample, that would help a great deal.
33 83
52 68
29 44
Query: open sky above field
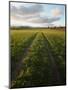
36 15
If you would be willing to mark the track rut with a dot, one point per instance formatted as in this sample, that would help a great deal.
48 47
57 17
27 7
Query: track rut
20 63
55 71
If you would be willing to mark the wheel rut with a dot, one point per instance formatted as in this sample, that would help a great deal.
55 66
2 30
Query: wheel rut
55 71
20 63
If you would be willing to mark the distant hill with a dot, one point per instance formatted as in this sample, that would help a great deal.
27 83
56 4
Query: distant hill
27 27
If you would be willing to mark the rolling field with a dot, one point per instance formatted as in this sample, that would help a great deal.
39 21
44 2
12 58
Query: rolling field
37 57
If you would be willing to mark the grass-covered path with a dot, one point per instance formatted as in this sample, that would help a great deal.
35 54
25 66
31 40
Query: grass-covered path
19 63
37 66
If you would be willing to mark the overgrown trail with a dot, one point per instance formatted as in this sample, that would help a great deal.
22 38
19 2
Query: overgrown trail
39 67
54 68
37 57
19 64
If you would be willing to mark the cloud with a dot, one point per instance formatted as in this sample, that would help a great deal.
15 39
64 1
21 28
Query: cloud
44 20
56 12
25 12
33 14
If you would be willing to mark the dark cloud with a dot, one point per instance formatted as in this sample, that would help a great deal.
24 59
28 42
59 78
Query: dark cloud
22 10
30 10
44 20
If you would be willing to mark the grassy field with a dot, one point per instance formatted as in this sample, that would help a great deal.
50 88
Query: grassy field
37 57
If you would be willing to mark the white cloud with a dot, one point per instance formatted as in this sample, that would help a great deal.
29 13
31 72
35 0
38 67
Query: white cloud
56 12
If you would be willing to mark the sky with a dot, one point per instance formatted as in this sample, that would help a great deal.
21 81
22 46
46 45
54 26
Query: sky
36 15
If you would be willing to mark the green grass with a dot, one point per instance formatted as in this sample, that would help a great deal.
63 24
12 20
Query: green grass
37 57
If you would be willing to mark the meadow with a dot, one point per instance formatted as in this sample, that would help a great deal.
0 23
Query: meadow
38 57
